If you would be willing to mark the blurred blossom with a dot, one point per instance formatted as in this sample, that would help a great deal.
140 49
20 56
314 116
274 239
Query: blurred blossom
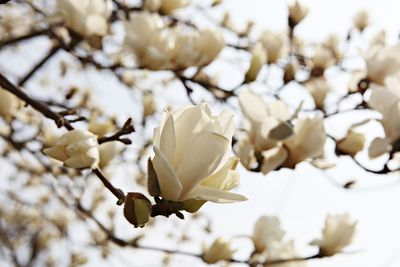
218 251
159 47
258 59
361 20
185 169
352 143
318 88
274 44
149 104
382 62
283 251
77 149
337 234
387 102
297 12
267 233
9 104
86 17
278 142
323 58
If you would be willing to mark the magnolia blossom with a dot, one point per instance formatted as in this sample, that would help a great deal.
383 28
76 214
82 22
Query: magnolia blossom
258 59
149 104
158 46
274 45
267 232
77 149
332 43
278 142
382 63
337 234
8 103
318 88
165 7
219 250
283 251
192 155
297 12
361 20
307 141
86 17
322 59
387 102
109 150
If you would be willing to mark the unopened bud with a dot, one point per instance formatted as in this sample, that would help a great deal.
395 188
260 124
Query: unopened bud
137 209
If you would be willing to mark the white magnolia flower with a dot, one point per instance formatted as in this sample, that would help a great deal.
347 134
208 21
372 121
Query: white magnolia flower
267 233
86 17
337 234
218 251
283 251
279 143
387 102
361 20
266 120
158 46
77 149
382 63
318 88
274 45
8 103
192 155
297 12
258 59
307 141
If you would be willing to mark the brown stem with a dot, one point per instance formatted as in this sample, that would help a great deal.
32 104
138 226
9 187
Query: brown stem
118 193
39 65
27 36
45 110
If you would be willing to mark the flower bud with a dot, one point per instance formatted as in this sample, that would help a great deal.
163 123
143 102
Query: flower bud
149 104
297 12
137 209
318 89
219 250
273 43
361 20
77 149
258 59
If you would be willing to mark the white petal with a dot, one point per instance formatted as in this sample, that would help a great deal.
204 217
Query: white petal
253 106
170 185
202 157
202 192
273 158
167 141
